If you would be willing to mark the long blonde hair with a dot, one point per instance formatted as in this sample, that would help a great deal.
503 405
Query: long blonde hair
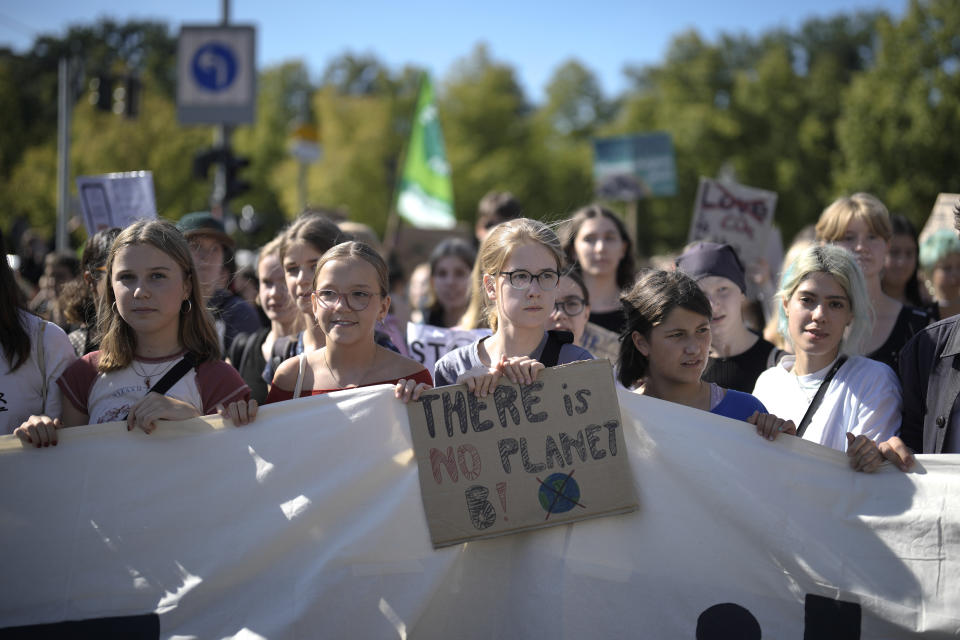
495 252
195 331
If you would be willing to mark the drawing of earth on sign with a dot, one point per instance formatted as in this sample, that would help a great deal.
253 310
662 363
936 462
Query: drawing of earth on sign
559 493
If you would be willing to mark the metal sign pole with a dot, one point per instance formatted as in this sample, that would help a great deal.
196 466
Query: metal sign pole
65 99
221 139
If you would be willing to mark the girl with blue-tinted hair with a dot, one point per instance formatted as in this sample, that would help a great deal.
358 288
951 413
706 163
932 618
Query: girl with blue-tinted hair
825 313
940 261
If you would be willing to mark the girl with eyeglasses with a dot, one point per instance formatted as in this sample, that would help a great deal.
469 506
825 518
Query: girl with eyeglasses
349 298
571 311
518 271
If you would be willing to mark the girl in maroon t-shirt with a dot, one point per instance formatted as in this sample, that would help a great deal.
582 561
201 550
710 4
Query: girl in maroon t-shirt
150 316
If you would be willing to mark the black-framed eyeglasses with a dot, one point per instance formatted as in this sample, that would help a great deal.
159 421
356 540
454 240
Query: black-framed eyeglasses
571 305
548 279
355 300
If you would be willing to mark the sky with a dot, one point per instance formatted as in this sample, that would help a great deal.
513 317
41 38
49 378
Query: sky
535 38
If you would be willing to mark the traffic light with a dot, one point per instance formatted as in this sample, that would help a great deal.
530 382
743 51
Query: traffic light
101 94
235 185
206 157
132 94
232 164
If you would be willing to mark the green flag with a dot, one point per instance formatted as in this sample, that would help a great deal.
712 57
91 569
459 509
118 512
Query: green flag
425 198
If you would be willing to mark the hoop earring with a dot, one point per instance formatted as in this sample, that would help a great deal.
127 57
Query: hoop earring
113 306
189 306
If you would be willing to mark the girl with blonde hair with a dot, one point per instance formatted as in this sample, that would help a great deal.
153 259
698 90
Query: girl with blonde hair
835 396
159 356
861 224
517 272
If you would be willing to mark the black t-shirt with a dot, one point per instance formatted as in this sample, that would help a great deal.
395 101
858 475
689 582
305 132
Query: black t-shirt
741 371
247 358
910 321
611 320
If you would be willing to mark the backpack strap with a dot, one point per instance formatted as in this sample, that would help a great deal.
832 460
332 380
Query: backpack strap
299 386
42 364
189 361
555 341
774 356
818 398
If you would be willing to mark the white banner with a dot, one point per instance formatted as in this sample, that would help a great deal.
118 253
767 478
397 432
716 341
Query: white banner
309 524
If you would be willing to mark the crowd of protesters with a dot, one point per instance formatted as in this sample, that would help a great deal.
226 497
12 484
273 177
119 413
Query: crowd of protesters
858 349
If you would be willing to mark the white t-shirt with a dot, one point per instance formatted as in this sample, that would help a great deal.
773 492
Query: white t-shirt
864 397
21 391
108 396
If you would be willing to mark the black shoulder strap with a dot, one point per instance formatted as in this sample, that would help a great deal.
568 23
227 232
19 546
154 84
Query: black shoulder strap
818 398
189 361
238 348
551 350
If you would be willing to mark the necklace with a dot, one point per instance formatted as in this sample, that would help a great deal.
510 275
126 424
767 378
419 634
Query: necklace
340 385
146 375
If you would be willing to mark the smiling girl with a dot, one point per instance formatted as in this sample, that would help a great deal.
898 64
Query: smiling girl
825 314
518 270
301 248
250 352
152 320
349 298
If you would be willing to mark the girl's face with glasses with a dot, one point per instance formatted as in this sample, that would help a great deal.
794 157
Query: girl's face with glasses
524 290
569 312
348 302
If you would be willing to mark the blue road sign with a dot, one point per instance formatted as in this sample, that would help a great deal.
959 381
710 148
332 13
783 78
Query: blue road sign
214 66
216 74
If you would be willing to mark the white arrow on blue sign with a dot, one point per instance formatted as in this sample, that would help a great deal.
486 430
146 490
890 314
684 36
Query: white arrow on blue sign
216 75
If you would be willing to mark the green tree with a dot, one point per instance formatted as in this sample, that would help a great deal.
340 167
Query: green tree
899 127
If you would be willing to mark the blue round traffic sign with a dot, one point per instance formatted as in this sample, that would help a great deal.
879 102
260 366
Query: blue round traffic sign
214 66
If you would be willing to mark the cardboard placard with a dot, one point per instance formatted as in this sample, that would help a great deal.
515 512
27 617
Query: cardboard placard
738 215
941 217
116 199
426 343
524 457
601 342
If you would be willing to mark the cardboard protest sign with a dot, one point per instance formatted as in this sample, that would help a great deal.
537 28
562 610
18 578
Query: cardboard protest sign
524 457
601 342
941 217
116 199
426 343
738 215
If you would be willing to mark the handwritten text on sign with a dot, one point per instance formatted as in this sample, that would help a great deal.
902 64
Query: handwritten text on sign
737 215
523 457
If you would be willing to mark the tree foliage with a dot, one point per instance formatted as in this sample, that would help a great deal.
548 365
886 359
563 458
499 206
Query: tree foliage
853 102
